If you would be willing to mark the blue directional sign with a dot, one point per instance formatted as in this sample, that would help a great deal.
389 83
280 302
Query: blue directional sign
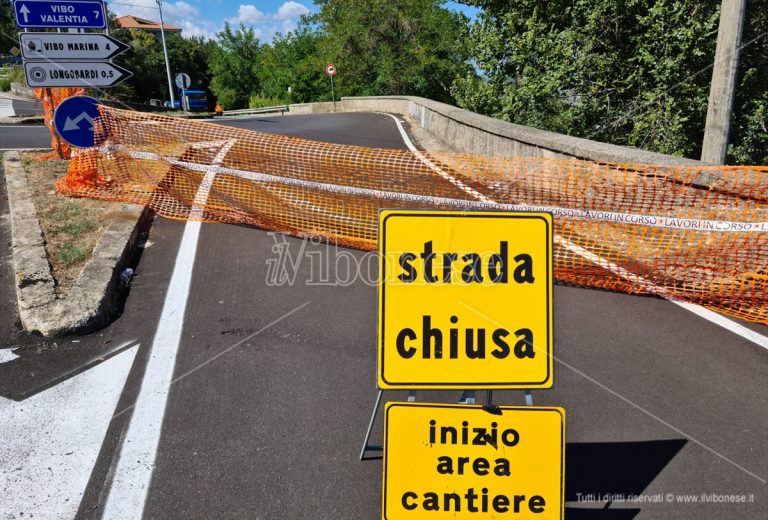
84 14
73 120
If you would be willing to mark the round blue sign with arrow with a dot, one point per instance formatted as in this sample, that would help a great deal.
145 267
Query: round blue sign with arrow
73 120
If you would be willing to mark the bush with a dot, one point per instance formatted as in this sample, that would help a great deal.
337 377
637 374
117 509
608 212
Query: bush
16 75
5 85
259 101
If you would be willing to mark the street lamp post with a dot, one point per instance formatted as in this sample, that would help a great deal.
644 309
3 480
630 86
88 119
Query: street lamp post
165 52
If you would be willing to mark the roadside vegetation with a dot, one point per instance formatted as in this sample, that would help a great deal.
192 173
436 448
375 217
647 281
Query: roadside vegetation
71 227
631 73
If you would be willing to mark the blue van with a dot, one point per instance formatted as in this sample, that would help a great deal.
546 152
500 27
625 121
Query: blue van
191 100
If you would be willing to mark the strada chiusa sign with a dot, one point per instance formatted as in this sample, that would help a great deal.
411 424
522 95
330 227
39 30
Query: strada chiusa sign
465 299
458 462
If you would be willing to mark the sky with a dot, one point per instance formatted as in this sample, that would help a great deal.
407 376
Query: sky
207 17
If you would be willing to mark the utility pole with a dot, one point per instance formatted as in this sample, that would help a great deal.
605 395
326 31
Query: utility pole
165 52
106 15
723 88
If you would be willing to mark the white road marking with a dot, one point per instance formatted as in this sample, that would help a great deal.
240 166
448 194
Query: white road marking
133 472
49 442
700 311
727 323
23 149
7 355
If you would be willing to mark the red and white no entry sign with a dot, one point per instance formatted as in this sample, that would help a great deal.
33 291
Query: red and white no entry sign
330 70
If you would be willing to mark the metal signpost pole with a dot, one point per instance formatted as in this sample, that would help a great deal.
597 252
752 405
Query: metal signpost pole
106 19
333 96
331 71
49 95
165 53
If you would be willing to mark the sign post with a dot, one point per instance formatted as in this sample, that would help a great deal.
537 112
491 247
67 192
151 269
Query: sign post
183 81
67 59
465 302
331 71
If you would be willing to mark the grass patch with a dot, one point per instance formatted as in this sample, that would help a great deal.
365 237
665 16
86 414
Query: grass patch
68 211
71 227
77 229
70 254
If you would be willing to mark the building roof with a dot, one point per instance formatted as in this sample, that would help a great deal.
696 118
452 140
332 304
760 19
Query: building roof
142 24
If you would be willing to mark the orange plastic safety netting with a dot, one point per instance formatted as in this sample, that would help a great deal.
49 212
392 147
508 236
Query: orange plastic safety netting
635 228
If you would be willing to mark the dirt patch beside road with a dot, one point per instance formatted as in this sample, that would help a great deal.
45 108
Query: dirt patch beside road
71 227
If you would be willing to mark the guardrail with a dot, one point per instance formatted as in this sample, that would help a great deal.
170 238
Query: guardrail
249 111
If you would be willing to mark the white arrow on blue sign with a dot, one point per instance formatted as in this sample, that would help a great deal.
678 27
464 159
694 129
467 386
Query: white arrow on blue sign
73 120
83 14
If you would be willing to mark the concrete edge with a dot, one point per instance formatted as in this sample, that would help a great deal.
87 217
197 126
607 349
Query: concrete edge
22 120
94 299
22 90
468 132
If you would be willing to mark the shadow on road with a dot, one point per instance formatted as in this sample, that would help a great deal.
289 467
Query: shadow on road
604 472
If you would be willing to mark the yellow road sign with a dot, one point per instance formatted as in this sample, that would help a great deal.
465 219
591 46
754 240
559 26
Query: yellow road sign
15 51
465 299
464 462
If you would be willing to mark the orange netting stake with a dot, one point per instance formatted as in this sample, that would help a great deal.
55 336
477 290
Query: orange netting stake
635 228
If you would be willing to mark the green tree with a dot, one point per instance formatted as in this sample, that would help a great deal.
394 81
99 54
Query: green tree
749 126
635 73
234 67
292 60
8 30
391 47
146 60
143 59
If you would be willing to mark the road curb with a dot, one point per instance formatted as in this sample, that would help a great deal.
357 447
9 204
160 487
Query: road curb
94 299
22 120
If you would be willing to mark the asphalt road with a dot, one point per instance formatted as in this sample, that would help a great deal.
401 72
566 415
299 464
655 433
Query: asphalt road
273 384
11 105
15 137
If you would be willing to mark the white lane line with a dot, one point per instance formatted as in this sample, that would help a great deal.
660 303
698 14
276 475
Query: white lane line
727 323
700 311
49 442
133 472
